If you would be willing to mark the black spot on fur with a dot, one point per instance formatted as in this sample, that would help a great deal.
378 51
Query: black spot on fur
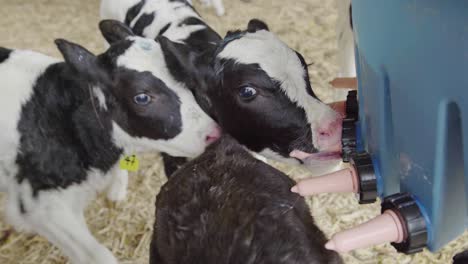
164 29
4 54
60 136
21 206
227 207
191 21
161 119
203 41
306 76
255 25
133 12
144 21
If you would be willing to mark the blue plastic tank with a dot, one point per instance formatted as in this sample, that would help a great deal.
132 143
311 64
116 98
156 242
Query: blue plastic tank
412 67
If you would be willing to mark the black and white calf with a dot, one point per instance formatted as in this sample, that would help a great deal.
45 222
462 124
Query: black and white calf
251 82
66 124
177 20
258 90
228 207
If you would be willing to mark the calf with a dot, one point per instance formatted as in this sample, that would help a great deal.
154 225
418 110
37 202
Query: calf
228 207
176 20
258 90
66 124
251 82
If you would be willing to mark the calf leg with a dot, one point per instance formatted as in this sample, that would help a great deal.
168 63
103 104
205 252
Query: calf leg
58 216
117 190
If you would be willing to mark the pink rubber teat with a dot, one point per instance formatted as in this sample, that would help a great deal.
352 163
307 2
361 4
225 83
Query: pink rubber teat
345 180
384 228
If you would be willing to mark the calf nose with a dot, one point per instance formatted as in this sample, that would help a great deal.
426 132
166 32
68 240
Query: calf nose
329 135
214 135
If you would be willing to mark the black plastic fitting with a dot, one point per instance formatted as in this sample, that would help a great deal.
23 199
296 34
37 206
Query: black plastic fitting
352 106
348 140
348 136
405 206
367 192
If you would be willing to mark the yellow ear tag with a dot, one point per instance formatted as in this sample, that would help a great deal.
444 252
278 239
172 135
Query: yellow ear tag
129 163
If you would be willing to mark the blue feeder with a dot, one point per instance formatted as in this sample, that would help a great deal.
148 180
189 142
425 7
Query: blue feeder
412 68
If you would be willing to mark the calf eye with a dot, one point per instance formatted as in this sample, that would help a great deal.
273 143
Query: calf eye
142 99
247 92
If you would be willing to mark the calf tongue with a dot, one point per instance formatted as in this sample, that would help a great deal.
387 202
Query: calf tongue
298 154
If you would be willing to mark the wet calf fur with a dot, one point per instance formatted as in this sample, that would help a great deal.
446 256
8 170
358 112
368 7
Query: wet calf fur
65 125
228 207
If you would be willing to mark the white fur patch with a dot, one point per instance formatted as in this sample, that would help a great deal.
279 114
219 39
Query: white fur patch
101 97
196 124
18 74
281 63
117 190
275 156
58 216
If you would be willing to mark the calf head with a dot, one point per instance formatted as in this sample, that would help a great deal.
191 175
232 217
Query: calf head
259 91
149 109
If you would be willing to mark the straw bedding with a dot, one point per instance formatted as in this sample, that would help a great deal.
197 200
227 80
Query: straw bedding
306 25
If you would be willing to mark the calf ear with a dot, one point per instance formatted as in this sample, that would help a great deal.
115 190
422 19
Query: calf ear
81 60
189 67
180 59
113 30
256 24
